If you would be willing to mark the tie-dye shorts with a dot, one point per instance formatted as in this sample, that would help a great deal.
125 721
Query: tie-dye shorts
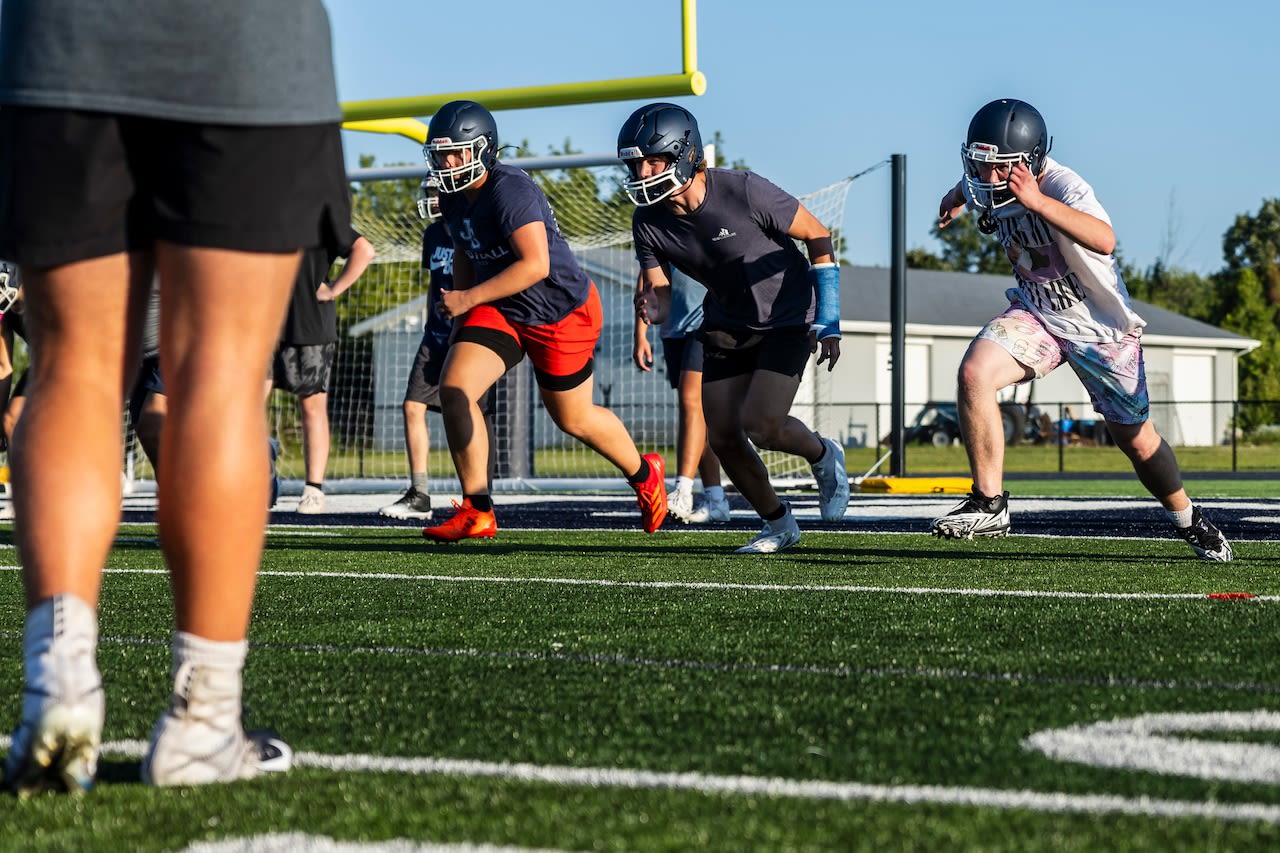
1111 371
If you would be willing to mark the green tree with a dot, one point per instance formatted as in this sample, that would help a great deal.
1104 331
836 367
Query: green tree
1183 291
722 159
1253 242
964 249
1250 313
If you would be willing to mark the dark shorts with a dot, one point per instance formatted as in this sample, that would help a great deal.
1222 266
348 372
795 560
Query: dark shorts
682 355
561 353
147 383
76 185
304 369
729 354
424 380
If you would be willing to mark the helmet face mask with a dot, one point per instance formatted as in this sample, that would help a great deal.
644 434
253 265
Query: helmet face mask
429 201
1003 133
9 287
465 128
659 130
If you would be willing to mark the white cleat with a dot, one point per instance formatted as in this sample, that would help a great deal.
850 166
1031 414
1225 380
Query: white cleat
976 515
775 536
833 482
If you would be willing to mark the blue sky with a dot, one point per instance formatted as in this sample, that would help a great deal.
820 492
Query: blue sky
1175 121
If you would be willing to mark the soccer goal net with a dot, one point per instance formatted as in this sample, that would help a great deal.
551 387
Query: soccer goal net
381 320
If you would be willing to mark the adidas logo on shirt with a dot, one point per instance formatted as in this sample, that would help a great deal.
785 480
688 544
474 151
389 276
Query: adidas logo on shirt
724 234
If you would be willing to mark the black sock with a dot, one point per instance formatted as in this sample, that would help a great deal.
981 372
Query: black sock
319 486
641 475
777 513
480 503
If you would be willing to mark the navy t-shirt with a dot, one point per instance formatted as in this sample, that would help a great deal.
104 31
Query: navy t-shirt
437 262
482 231
310 321
736 244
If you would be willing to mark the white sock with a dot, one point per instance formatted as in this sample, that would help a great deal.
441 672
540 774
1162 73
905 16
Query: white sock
64 619
685 485
197 651
1181 517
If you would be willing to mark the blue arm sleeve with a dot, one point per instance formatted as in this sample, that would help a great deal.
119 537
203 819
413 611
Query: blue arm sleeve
826 284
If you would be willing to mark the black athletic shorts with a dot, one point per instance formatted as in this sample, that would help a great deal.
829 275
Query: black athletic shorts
727 354
303 370
424 380
76 185
148 382
681 355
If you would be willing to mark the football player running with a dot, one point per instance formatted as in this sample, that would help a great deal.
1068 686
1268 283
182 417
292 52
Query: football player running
518 290
1070 306
767 307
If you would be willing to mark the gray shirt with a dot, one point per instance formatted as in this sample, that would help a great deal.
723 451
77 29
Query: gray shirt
735 244
240 62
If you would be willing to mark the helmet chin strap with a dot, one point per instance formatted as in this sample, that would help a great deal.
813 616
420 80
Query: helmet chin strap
987 221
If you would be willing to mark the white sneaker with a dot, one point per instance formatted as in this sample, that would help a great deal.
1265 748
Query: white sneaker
833 482
711 509
6 511
680 505
55 747
200 739
312 502
976 515
774 537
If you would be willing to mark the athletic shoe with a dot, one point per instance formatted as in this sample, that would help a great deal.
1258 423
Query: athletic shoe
312 502
200 739
710 510
273 450
680 505
6 511
467 522
55 747
651 495
1206 539
833 482
414 504
774 536
976 515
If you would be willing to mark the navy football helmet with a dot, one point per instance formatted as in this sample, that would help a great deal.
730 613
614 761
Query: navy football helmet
461 126
429 201
659 130
1004 131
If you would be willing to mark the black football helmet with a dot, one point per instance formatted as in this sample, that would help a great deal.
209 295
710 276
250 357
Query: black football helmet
659 130
429 201
1004 131
461 126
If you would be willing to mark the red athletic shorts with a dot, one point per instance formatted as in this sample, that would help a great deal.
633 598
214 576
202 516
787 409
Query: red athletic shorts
561 353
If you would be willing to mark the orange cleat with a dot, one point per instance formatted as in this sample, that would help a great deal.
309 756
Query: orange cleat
651 495
466 523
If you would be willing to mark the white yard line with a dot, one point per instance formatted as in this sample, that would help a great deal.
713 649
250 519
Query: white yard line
751 786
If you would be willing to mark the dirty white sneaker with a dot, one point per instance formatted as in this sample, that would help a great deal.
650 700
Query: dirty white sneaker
312 502
680 505
55 747
710 509
833 482
200 739
774 536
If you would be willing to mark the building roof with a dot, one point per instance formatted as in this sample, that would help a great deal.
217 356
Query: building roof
959 300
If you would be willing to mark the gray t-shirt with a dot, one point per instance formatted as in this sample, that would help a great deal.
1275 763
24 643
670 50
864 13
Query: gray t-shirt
735 244
239 62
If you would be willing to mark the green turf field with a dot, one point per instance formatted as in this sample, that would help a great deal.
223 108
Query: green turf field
612 691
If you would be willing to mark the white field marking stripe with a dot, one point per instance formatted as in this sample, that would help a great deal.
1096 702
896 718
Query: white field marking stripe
612 777
728 587
1141 743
